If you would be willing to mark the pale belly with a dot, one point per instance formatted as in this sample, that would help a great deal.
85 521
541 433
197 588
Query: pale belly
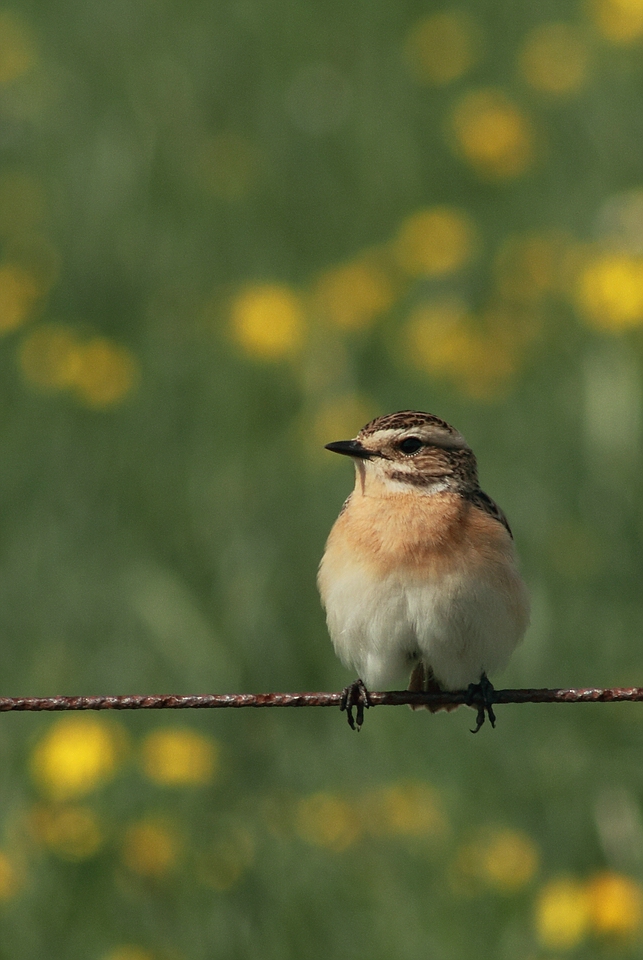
461 624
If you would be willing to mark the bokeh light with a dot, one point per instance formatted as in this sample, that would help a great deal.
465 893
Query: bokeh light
75 756
435 241
268 321
151 847
179 757
615 905
327 820
555 58
609 293
101 373
71 832
443 46
562 914
493 134
352 295
620 21
17 48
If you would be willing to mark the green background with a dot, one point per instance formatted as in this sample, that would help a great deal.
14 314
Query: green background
157 160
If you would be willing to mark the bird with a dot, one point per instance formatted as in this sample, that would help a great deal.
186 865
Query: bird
419 572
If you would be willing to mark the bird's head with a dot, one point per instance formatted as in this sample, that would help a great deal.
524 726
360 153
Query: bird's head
411 450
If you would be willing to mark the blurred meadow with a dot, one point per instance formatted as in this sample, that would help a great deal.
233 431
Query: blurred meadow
233 232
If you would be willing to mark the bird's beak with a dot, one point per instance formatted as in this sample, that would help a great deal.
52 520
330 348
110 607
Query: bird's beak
350 448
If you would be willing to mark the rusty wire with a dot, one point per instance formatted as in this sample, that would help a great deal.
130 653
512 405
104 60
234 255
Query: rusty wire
389 698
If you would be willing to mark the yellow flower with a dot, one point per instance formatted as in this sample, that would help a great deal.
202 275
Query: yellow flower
615 904
503 859
493 134
179 757
73 832
9 884
326 820
352 295
442 339
620 21
555 58
407 809
100 372
151 847
75 756
19 292
442 47
562 914
609 291
49 357
435 241
268 321
105 372
17 49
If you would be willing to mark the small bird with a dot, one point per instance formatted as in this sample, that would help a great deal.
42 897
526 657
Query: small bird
419 571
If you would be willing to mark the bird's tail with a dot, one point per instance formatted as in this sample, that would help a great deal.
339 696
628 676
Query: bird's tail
423 681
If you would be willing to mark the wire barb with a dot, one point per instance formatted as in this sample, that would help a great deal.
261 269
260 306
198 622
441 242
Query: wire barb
387 698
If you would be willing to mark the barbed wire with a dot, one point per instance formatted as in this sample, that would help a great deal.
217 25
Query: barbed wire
389 698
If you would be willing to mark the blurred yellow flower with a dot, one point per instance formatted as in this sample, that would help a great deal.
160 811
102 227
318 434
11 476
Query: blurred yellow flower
49 357
327 820
609 291
339 419
226 165
442 339
407 809
442 47
128 952
562 914
268 321
99 371
17 48
528 266
151 847
493 134
620 21
72 832
179 757
19 291
501 858
555 58
75 756
508 859
225 862
435 241
9 883
354 294
615 904
105 373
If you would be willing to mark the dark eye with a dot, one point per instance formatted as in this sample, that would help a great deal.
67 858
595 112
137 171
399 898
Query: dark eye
410 445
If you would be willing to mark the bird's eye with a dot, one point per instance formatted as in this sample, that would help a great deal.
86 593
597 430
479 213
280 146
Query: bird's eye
410 445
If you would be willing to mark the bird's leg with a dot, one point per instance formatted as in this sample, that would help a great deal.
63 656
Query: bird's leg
481 695
355 695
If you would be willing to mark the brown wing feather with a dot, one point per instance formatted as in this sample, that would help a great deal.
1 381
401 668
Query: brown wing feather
484 502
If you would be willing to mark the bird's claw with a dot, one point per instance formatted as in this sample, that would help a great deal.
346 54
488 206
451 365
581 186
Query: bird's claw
355 695
480 695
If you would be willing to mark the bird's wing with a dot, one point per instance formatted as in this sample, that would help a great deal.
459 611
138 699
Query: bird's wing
484 502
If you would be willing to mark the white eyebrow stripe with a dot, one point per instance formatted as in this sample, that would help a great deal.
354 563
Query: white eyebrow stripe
426 432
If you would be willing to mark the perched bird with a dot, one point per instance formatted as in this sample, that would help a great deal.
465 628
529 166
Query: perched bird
419 572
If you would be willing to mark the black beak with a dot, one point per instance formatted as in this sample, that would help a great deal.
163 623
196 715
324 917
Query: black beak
351 448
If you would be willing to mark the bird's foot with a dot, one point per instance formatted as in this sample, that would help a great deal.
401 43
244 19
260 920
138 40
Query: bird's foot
355 695
480 695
